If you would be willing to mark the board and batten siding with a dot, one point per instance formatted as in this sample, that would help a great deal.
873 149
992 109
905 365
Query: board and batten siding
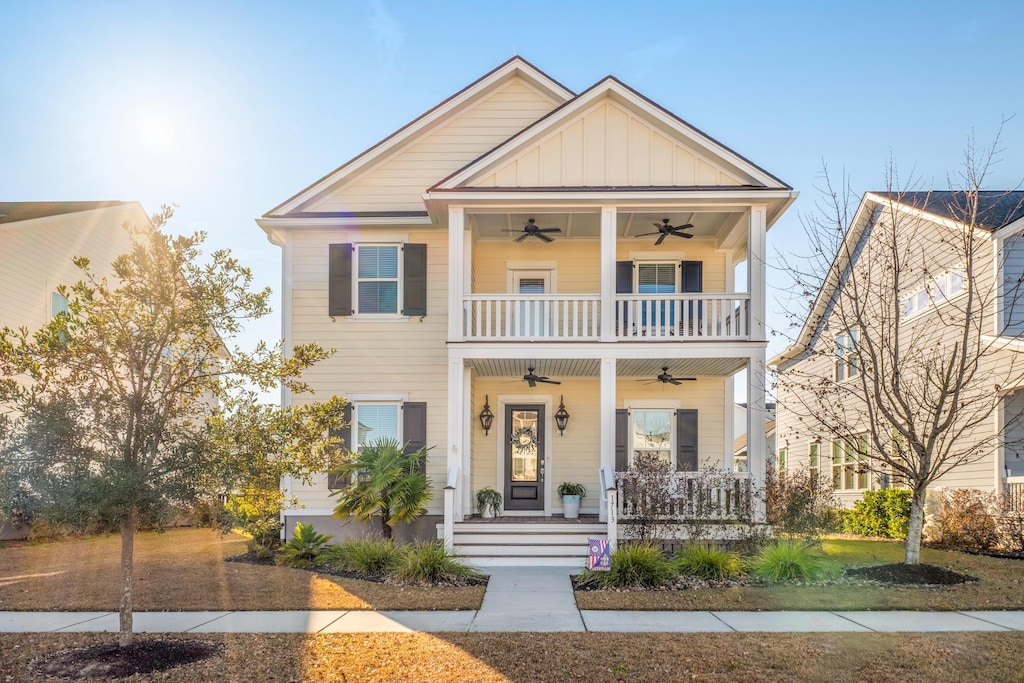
398 183
608 145
403 356
35 257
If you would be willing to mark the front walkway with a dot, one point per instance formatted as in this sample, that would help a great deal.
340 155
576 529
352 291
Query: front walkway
517 599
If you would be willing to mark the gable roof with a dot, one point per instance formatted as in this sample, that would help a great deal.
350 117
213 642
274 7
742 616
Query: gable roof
516 67
996 209
13 212
636 103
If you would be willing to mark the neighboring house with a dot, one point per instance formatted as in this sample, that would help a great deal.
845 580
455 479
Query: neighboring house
739 444
535 252
939 282
38 241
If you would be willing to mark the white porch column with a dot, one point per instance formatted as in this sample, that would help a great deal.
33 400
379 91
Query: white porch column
607 412
757 445
729 407
463 492
609 221
456 413
756 271
456 271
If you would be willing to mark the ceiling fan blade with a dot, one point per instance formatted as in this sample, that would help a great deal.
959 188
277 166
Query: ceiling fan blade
545 380
648 234
684 235
660 239
544 237
508 230
683 227
549 230
521 238
673 380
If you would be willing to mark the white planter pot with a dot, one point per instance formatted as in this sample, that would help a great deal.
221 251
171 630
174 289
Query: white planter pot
488 512
571 506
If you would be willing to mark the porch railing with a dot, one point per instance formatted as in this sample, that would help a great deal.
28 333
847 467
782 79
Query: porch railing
532 316
1015 494
682 316
716 497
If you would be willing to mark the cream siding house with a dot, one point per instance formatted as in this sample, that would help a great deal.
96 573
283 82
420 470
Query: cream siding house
822 349
38 241
529 249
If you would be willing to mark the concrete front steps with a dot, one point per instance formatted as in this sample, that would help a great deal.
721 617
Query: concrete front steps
550 543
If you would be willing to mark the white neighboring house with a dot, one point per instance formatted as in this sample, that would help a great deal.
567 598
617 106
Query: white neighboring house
740 438
37 243
1001 221
537 253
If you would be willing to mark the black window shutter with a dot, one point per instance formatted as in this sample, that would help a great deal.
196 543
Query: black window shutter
621 440
686 440
336 481
691 281
415 280
414 429
623 277
339 282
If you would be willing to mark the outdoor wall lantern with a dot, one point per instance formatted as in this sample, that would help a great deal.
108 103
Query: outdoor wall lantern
561 417
486 417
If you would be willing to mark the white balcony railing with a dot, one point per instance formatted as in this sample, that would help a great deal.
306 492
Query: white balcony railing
532 316
577 317
704 316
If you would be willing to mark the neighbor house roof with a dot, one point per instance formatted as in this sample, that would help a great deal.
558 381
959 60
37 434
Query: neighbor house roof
996 208
12 212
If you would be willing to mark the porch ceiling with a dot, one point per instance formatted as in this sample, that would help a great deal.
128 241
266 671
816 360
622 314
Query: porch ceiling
559 368
495 226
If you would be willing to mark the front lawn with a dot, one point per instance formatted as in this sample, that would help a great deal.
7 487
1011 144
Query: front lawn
1001 586
184 569
592 657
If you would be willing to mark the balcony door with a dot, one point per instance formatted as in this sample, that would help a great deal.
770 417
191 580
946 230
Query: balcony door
532 318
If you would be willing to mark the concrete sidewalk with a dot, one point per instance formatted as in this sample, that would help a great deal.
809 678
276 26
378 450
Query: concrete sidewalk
535 599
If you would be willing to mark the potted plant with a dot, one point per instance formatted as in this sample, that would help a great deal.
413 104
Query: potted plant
488 502
571 494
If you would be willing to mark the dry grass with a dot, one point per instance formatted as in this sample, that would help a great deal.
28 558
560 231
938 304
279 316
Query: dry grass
593 657
184 569
1001 587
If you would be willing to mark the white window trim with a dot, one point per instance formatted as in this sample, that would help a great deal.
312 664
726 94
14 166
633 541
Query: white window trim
842 465
653 404
676 272
932 304
376 402
400 302
546 269
818 443
847 364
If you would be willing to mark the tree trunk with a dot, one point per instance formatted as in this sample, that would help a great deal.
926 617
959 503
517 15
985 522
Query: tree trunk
913 547
128 522
385 528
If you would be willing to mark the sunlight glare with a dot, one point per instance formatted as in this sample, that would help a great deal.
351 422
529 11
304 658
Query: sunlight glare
155 132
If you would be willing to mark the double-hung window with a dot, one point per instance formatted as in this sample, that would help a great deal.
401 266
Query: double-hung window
375 421
652 434
849 464
377 277
814 461
846 359
656 278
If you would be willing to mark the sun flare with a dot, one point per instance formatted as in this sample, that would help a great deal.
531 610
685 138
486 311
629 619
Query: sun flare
155 132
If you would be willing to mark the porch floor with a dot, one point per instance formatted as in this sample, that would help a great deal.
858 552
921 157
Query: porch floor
523 519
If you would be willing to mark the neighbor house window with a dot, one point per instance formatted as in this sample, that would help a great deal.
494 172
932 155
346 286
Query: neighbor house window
652 434
782 459
814 461
846 362
58 304
849 464
945 286
377 277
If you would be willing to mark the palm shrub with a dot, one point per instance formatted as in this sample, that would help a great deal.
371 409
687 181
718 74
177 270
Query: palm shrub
369 557
707 562
430 563
787 560
304 548
385 482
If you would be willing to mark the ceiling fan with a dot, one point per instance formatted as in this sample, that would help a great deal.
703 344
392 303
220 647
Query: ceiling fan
664 230
666 378
531 229
532 379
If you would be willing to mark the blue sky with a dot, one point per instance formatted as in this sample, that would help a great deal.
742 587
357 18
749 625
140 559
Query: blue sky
228 108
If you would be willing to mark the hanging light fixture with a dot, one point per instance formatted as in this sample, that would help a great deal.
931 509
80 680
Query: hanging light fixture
561 417
486 417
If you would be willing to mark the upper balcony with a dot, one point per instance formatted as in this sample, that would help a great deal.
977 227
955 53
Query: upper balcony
607 274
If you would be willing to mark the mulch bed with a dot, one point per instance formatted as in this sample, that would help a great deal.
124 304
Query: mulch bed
911 575
110 661
251 557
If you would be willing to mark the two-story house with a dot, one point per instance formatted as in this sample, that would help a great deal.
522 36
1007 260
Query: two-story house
926 235
538 284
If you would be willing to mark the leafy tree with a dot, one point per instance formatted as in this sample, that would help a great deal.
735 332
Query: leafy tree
114 397
385 482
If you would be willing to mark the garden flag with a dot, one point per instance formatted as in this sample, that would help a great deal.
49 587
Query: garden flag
599 558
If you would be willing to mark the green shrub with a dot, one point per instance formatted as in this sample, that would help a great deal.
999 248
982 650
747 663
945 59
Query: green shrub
638 565
369 557
430 563
257 512
707 562
787 560
304 548
880 513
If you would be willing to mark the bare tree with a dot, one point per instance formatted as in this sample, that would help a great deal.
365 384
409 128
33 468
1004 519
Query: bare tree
903 357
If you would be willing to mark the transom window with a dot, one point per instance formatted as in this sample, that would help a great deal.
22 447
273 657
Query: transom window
945 286
377 277
652 434
849 464
846 363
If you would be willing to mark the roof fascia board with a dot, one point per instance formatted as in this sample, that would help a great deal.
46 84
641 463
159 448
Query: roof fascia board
622 197
626 95
1009 229
339 222
516 66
